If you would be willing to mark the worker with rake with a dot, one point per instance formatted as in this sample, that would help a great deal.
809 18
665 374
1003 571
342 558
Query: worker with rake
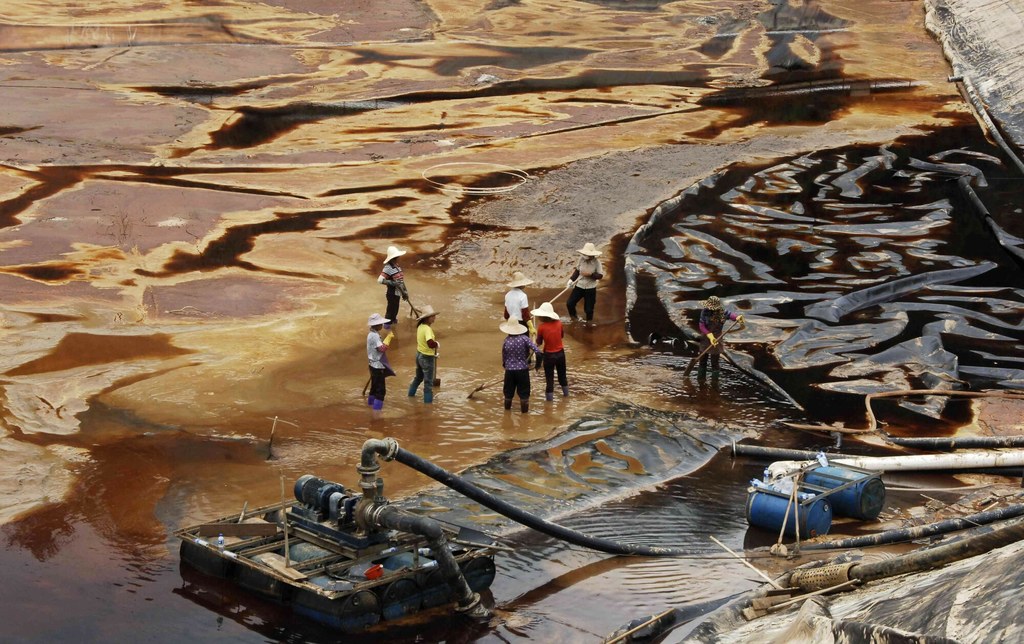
712 320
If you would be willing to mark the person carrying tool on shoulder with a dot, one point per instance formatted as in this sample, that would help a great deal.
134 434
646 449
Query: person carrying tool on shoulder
549 337
426 355
515 358
584 280
712 319
391 276
517 305
376 347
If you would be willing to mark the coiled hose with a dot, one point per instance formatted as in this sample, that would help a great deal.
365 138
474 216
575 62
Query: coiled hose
488 500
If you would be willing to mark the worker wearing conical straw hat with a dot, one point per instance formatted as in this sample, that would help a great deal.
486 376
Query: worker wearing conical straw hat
517 304
376 354
549 338
391 276
426 354
712 319
515 358
584 281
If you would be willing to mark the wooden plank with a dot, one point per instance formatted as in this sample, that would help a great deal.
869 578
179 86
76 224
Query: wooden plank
763 603
276 562
262 529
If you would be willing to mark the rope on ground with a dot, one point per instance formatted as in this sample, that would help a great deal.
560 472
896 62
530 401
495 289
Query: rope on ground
519 177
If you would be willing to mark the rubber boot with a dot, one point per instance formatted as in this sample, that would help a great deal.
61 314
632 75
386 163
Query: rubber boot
428 397
565 391
549 396
508 403
378 405
370 400
524 405
412 390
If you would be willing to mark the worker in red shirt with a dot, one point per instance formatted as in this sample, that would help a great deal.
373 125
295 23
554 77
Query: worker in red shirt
549 338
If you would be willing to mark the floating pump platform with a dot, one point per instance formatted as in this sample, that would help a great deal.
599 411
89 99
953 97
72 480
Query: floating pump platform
345 559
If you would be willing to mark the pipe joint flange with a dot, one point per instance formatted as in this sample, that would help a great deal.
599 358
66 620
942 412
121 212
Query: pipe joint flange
391 449
474 608
821 577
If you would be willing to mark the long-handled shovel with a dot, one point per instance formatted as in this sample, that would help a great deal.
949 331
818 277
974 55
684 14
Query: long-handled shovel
404 292
562 292
700 355
485 385
437 378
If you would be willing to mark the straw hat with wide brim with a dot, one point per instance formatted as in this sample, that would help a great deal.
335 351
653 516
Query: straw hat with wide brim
712 303
376 319
393 252
589 250
518 279
426 312
512 327
545 310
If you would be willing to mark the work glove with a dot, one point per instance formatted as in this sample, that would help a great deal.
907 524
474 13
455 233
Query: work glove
711 337
389 338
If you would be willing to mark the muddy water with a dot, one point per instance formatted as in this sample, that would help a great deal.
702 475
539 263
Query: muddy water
194 206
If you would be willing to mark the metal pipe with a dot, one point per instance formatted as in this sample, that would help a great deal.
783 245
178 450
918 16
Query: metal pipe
928 558
395 519
762 451
369 466
909 534
953 443
918 462
912 462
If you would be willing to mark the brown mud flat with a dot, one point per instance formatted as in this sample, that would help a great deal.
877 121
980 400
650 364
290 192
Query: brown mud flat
224 187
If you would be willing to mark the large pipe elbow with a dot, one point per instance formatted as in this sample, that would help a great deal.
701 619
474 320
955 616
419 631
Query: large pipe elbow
374 447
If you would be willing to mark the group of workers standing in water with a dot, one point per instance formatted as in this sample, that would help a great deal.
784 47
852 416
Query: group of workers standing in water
530 334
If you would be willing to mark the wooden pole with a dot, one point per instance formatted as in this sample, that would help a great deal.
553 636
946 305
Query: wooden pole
700 355
486 384
747 563
562 292
284 518
270 443
637 628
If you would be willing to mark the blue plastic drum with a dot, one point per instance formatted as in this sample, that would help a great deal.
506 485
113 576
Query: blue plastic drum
766 510
862 500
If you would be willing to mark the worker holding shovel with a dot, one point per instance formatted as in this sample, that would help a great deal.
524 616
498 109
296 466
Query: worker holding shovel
426 355
584 282
712 320
391 276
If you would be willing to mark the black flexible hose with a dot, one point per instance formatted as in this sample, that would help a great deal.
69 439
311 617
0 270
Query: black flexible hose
928 558
530 520
395 519
953 443
909 534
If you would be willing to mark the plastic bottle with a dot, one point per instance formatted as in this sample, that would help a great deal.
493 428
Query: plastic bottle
220 541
